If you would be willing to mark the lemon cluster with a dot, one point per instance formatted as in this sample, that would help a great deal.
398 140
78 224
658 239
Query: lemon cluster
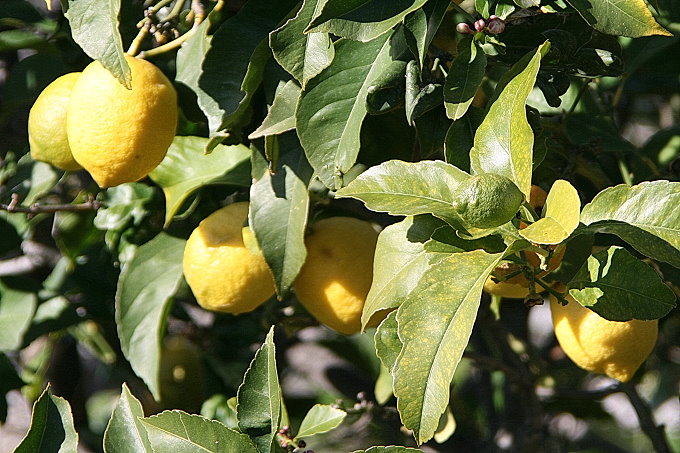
226 275
90 120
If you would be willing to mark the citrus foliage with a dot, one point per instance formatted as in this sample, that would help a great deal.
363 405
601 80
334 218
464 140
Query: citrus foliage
362 165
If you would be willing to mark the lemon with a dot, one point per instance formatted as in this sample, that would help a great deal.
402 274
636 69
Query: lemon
222 272
47 124
616 349
487 200
120 135
516 287
337 274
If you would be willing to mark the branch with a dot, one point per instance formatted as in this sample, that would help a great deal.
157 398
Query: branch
654 432
13 206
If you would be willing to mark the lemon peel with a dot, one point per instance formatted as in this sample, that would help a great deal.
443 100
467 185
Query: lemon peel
120 135
47 124
616 349
337 274
222 272
487 200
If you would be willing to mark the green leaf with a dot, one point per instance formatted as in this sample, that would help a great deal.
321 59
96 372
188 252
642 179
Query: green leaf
390 449
363 23
435 323
619 287
619 17
383 386
16 313
460 137
333 106
387 342
187 168
125 431
145 288
258 407
504 141
415 29
281 115
644 215
404 188
399 263
446 427
560 216
219 407
420 99
320 419
225 70
179 432
303 55
464 78
51 426
279 204
94 26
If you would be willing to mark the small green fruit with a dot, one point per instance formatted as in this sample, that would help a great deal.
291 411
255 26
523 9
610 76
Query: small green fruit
487 200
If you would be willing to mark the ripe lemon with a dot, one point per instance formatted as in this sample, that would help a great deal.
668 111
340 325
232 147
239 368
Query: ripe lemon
47 124
222 272
120 135
487 200
335 279
616 349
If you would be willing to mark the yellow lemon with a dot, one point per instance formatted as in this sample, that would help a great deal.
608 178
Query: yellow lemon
616 349
335 279
222 272
120 135
47 124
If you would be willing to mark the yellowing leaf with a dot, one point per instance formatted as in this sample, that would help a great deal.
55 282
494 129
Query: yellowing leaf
49 5
619 17
561 217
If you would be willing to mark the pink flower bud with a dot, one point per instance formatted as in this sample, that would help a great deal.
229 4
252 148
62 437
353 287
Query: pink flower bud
464 29
480 25
496 26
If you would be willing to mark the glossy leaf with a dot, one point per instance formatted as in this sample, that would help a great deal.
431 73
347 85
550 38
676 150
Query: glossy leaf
387 342
504 141
619 287
333 106
303 55
187 168
281 115
94 26
399 263
404 188
320 419
464 78
179 432
619 17
51 425
143 295
125 431
560 216
435 323
16 313
366 22
279 204
644 215
258 407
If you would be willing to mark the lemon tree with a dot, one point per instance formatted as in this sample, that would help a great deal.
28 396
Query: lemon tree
237 226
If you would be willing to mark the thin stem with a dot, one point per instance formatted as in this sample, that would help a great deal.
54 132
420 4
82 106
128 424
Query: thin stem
199 16
654 432
176 9
12 207
137 42
580 94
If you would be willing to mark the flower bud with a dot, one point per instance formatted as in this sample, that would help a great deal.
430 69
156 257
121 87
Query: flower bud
480 25
464 29
496 25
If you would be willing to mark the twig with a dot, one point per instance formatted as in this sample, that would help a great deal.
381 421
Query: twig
493 364
654 432
137 42
12 206
199 16
582 394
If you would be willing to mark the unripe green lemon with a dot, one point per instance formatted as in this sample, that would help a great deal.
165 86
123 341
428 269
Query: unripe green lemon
337 274
120 135
222 272
487 200
47 124
616 349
